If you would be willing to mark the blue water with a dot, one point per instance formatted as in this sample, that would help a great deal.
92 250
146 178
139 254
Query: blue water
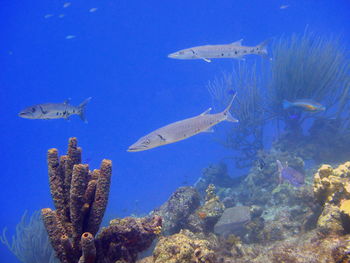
119 57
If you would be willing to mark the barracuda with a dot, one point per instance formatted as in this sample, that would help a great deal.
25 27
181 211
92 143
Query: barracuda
183 129
234 50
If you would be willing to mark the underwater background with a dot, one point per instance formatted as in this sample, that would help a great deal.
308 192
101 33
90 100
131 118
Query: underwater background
117 54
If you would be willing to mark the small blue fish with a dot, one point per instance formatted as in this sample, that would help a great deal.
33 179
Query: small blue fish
305 104
290 175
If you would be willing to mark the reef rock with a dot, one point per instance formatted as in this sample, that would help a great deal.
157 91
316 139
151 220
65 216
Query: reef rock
233 221
176 211
217 175
205 217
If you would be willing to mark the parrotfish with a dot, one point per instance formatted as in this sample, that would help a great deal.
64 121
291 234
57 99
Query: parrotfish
48 111
290 175
183 129
305 104
232 50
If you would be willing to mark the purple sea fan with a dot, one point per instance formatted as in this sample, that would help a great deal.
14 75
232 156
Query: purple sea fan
290 175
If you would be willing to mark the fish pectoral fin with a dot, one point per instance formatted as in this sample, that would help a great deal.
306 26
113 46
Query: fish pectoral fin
206 112
210 129
206 59
238 42
43 111
240 58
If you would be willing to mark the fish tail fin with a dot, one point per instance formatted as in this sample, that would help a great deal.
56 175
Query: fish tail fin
227 113
82 108
287 104
263 47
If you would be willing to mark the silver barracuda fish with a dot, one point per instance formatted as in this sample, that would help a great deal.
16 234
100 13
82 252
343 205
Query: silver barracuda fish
183 129
233 50
48 111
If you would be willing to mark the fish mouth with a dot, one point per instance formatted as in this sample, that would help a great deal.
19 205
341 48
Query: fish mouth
24 115
136 149
173 55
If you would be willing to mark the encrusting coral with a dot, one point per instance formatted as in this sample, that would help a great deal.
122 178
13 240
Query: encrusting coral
80 197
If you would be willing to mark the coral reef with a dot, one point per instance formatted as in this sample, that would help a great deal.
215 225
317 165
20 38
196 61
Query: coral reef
277 211
80 197
31 243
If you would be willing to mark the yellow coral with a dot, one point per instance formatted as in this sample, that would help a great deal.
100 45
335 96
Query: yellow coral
332 190
180 248
345 206
328 181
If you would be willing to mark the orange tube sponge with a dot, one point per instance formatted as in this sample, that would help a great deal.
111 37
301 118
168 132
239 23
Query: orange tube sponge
76 201
88 248
101 197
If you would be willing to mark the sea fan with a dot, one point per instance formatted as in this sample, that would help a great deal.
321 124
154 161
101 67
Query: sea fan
31 243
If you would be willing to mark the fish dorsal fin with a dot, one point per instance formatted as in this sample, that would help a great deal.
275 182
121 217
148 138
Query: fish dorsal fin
66 101
206 60
206 112
237 43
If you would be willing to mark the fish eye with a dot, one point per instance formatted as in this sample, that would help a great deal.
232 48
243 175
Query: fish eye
33 109
147 141
181 52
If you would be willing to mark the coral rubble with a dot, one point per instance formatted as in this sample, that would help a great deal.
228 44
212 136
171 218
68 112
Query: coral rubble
80 197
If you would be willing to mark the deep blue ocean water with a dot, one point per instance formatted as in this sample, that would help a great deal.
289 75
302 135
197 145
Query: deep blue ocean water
119 58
